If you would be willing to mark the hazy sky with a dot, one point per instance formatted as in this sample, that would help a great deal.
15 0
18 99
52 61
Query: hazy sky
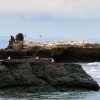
51 18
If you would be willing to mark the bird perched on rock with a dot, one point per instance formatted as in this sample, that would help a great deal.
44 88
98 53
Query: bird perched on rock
36 57
9 57
52 60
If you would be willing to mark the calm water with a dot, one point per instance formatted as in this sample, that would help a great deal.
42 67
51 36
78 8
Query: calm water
3 43
91 68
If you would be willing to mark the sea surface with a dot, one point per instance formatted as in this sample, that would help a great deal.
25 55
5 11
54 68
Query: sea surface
3 43
92 69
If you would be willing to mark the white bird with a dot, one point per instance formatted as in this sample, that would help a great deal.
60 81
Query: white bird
37 57
9 57
52 60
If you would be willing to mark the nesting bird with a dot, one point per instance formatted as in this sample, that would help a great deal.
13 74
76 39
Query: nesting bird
9 57
37 57
52 60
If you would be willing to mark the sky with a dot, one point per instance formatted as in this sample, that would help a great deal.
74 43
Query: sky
70 19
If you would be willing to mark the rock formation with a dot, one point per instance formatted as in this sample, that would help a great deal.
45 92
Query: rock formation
60 51
42 76
21 54
75 54
14 54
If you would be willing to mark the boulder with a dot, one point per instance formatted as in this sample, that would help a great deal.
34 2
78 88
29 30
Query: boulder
76 54
44 76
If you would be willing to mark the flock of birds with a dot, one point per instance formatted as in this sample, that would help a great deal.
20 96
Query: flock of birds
35 43
72 42
55 43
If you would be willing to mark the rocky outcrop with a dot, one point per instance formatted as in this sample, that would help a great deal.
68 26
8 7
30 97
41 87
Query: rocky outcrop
14 54
21 54
59 54
76 54
61 51
38 75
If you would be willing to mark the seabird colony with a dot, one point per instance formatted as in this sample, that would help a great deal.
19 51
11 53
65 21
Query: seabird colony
57 43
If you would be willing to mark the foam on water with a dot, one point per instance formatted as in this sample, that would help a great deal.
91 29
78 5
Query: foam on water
94 64
93 69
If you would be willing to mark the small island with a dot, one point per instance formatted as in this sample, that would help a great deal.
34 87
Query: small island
60 51
47 66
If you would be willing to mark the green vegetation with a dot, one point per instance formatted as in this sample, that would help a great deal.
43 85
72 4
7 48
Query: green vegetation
19 37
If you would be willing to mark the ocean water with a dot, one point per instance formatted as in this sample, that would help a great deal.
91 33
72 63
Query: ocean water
3 44
92 69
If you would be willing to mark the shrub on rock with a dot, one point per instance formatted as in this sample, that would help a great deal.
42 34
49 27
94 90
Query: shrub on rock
20 37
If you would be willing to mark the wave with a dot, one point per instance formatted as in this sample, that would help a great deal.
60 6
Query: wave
94 64
93 69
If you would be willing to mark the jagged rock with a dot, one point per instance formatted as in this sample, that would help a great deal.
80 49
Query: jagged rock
75 54
38 75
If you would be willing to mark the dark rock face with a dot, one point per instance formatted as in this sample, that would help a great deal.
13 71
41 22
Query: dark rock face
20 54
44 53
14 54
76 54
36 76
64 54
